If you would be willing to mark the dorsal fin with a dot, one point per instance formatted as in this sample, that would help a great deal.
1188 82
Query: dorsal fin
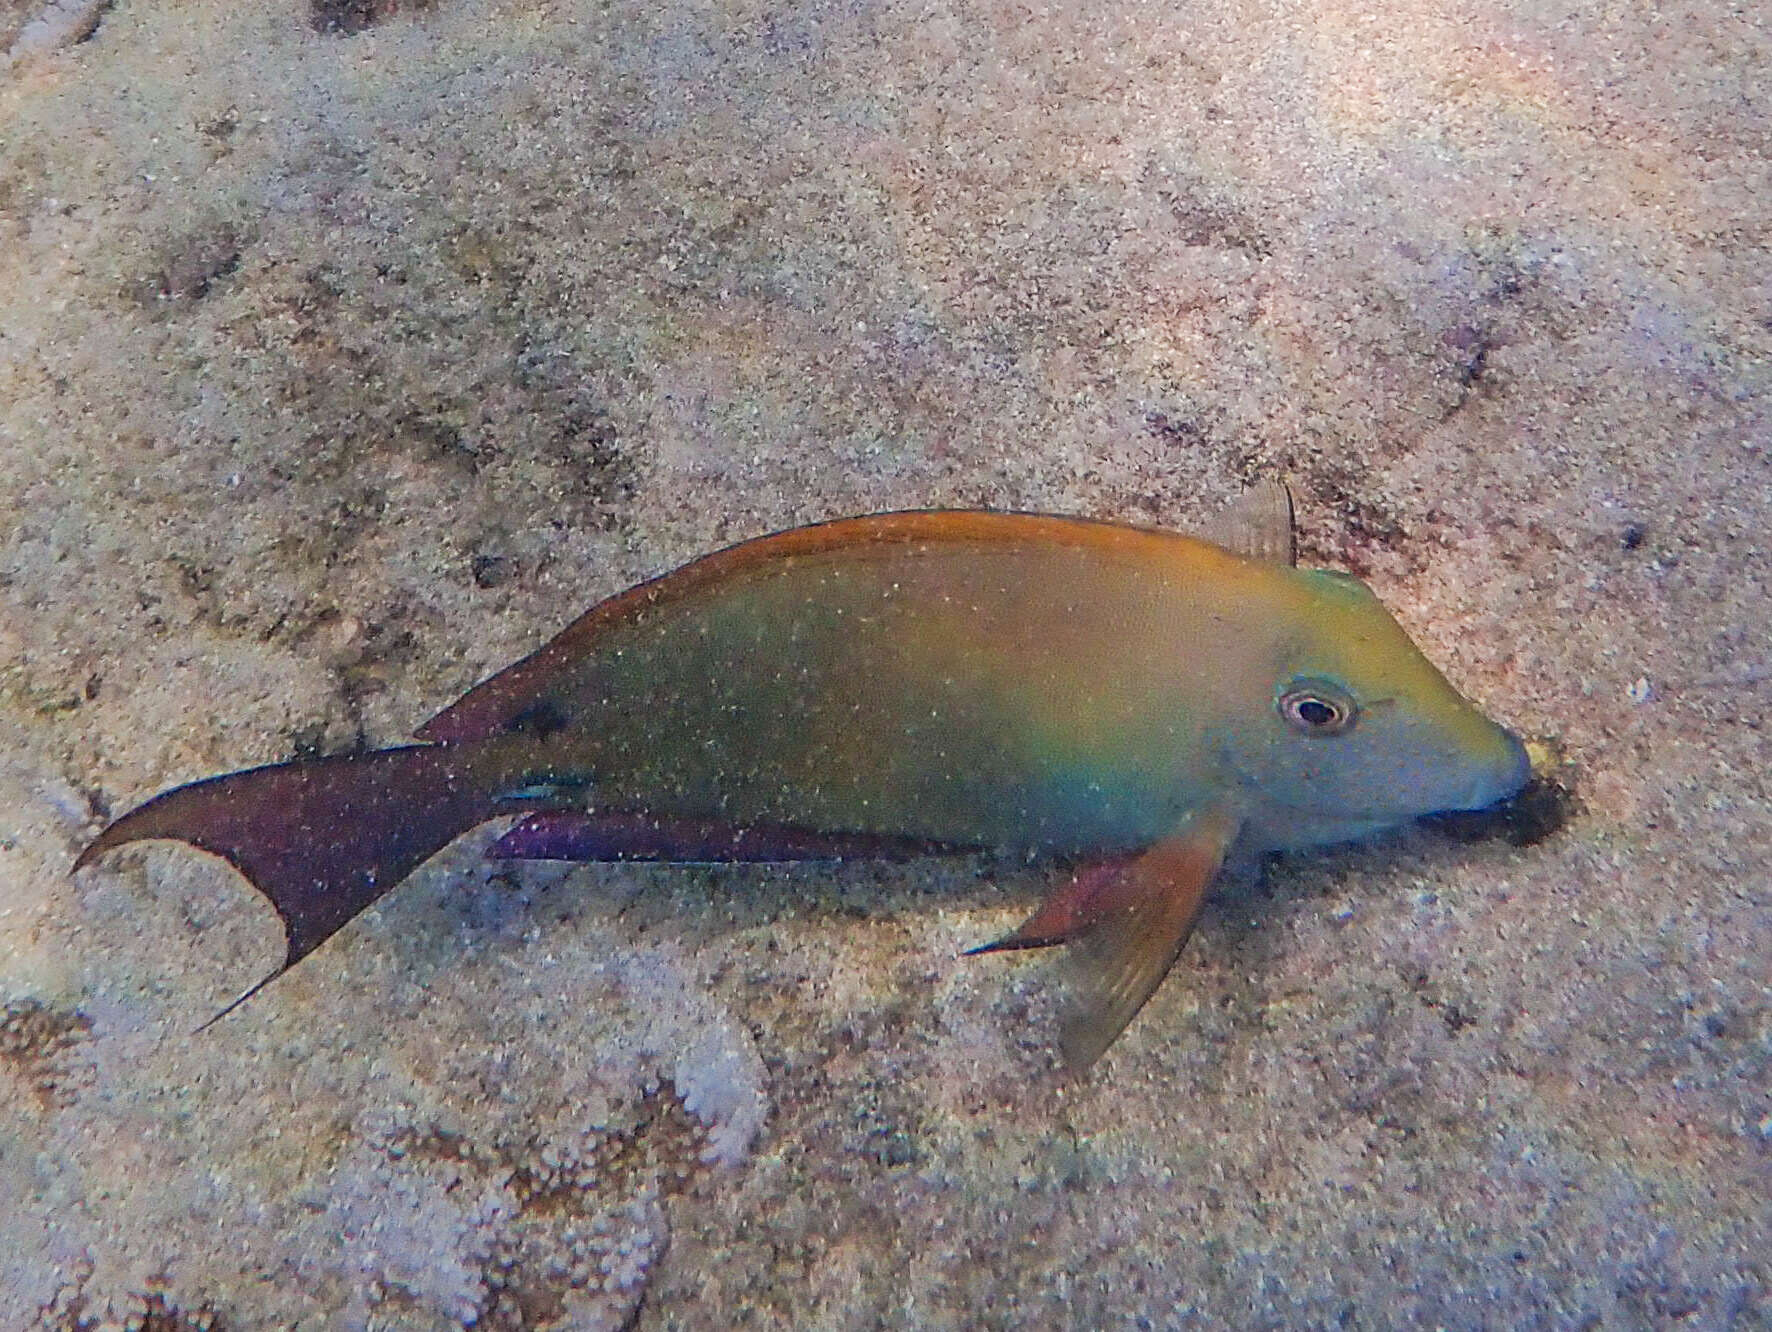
1259 524
501 700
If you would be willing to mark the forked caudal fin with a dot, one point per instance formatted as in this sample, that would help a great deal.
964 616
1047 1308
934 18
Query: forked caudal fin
321 838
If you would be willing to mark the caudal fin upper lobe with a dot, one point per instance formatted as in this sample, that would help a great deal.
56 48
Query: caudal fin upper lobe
321 838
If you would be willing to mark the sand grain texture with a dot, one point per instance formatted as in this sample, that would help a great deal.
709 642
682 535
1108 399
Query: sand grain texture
348 350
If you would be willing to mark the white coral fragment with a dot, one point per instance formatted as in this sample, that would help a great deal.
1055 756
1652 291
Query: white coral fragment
710 1059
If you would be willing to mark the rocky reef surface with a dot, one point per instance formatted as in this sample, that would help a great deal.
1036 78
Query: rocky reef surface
350 347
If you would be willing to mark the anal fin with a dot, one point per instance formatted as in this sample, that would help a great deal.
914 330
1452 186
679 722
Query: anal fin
626 835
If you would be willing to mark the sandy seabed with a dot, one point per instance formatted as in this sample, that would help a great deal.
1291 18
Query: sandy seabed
346 352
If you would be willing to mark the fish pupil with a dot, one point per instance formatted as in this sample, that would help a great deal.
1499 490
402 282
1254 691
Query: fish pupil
1316 707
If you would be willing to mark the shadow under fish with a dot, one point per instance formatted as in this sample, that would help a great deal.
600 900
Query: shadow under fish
1136 703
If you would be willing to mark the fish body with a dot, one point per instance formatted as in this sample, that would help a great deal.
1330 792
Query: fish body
1127 701
1026 683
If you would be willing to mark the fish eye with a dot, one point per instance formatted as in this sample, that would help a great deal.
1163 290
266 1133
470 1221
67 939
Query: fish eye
1316 708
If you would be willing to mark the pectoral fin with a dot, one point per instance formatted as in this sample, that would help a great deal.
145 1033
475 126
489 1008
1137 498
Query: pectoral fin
1140 913
1069 909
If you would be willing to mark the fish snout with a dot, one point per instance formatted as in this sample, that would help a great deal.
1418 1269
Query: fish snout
1505 773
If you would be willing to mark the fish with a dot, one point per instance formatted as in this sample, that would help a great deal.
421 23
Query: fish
1127 707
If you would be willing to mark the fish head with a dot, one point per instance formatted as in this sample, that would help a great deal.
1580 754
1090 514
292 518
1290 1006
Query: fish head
1353 730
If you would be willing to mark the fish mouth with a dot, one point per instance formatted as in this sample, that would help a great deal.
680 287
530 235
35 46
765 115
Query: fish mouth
1506 779
1502 778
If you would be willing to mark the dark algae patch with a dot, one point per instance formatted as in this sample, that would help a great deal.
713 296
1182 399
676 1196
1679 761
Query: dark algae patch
35 1042
345 18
